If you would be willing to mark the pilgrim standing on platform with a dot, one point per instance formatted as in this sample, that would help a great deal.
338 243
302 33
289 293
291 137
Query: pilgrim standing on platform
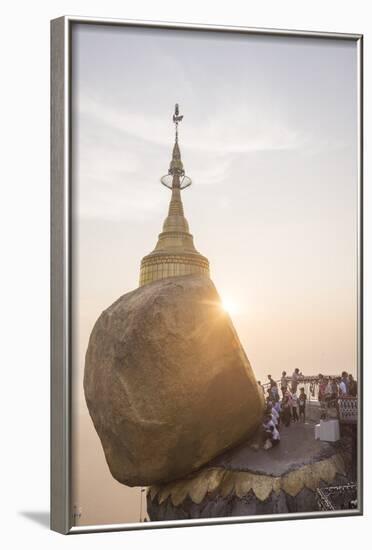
294 407
284 382
302 404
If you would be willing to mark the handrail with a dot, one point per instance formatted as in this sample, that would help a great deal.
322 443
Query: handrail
311 384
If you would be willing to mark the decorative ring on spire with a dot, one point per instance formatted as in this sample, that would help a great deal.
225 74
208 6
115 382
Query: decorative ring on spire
167 180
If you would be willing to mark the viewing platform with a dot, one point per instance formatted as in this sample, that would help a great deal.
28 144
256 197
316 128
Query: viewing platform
249 480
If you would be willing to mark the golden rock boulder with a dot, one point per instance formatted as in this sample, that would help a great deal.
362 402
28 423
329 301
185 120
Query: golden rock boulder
167 382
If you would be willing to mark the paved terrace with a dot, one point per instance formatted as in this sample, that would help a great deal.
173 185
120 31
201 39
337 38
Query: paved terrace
297 448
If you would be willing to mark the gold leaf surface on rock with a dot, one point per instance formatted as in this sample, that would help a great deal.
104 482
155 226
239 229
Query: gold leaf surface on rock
166 397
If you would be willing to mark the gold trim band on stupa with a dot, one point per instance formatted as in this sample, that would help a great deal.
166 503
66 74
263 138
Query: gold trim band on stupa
174 254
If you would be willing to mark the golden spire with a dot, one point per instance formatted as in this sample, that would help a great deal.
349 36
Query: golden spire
175 253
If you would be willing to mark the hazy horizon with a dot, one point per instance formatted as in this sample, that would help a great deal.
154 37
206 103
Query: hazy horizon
269 139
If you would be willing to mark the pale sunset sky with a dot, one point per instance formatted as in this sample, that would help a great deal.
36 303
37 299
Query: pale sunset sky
269 138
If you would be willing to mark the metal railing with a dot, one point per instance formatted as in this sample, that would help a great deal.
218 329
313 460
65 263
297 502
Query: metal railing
309 383
347 406
348 409
341 497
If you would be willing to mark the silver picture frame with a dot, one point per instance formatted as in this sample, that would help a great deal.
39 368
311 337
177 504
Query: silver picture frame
61 269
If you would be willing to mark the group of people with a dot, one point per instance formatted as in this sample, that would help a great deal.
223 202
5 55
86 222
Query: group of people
330 389
286 405
283 409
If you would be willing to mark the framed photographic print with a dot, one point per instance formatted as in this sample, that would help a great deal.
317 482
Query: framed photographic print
206 274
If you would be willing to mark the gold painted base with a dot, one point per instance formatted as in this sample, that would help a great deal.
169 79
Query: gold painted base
226 482
162 266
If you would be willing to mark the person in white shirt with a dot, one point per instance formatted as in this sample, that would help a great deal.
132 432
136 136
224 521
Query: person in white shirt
276 437
278 408
294 380
275 416
270 433
342 388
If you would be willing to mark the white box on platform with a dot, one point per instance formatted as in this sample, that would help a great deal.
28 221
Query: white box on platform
317 431
329 430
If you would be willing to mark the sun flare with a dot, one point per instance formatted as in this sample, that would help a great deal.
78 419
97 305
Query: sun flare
229 305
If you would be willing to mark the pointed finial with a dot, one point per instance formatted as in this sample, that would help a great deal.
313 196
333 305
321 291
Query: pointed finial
177 118
176 173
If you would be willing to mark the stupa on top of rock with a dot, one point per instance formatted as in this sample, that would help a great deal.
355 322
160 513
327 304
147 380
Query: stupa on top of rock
167 382
174 253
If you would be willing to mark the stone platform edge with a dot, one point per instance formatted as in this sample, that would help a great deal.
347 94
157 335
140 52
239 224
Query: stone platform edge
225 482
